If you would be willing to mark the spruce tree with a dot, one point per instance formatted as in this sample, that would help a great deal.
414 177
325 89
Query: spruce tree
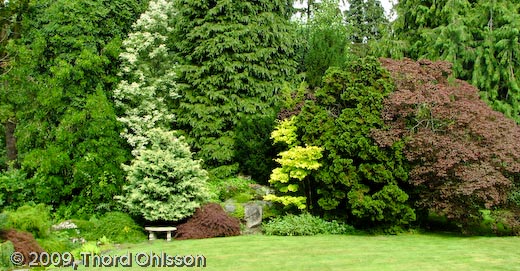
366 23
234 56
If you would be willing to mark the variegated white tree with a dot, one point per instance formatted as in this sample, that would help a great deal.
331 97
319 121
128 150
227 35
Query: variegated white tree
148 70
164 182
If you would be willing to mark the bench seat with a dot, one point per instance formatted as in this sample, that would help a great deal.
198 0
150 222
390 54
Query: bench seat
153 230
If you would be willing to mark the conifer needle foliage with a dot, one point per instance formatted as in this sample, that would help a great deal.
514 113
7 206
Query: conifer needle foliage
357 177
235 56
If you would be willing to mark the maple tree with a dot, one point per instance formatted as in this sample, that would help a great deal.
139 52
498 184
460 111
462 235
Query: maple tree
464 156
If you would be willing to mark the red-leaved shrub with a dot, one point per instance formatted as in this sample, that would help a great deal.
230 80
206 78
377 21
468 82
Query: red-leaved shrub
208 221
23 242
464 156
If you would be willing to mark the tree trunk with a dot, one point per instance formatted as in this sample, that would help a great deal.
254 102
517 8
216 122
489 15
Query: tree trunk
10 140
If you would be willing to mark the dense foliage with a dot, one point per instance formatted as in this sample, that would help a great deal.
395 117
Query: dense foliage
34 219
164 183
62 73
235 58
172 103
305 224
465 157
358 178
296 164
326 39
148 90
366 20
480 38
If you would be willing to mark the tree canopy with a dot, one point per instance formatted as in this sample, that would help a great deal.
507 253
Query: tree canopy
235 56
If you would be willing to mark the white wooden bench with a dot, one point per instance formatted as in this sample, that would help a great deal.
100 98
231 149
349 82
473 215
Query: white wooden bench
153 230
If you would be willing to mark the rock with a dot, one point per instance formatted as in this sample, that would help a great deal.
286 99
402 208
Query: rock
230 206
261 191
253 215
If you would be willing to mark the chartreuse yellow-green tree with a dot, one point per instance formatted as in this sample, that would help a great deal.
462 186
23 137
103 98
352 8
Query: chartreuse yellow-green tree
296 164
234 57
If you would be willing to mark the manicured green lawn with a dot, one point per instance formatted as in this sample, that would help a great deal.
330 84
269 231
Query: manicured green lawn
424 252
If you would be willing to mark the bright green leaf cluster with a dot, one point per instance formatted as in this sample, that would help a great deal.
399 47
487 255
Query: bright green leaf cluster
296 163
298 202
285 132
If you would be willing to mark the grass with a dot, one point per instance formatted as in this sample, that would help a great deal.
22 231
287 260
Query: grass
424 252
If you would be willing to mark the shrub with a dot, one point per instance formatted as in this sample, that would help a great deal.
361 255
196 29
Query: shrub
88 247
31 218
209 221
237 188
464 156
6 250
116 226
4 220
304 224
57 241
13 189
239 212
358 179
164 182
23 242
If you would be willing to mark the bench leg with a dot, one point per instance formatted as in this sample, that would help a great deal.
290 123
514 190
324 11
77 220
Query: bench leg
151 236
168 236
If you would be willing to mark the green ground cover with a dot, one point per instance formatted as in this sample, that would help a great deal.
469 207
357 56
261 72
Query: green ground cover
424 252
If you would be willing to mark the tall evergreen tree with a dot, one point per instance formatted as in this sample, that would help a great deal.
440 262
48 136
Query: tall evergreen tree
235 56
365 18
163 181
67 134
148 90
326 43
480 38
11 16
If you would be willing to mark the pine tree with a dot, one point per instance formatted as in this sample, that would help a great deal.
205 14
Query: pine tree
365 19
235 56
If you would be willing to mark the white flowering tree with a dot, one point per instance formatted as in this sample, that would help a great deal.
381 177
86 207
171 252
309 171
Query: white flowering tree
164 183
148 69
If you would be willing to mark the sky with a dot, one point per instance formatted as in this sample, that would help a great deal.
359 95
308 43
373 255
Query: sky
387 4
